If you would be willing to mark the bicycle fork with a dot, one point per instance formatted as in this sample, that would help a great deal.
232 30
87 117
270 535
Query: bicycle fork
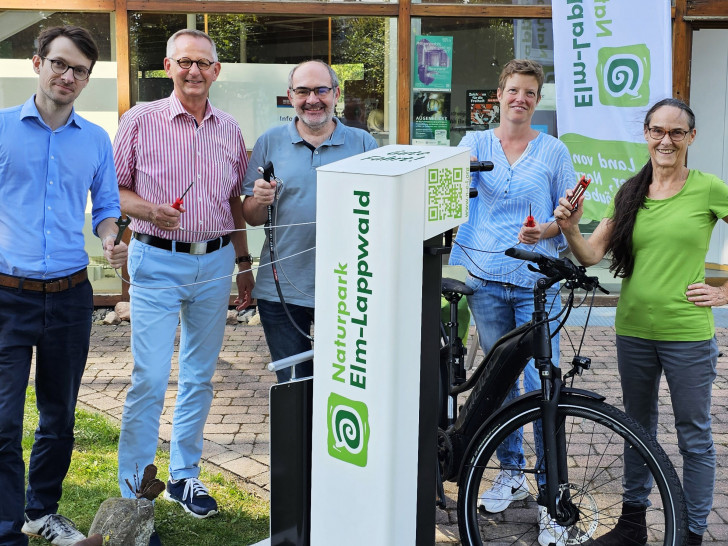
553 494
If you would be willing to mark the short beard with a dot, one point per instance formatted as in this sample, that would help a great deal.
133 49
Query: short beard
315 127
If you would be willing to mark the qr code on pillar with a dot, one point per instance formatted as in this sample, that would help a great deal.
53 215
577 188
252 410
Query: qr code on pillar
446 194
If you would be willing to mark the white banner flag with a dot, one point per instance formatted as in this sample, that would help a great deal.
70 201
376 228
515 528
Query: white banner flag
613 60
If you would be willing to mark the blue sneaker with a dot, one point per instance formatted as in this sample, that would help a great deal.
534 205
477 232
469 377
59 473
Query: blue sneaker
192 496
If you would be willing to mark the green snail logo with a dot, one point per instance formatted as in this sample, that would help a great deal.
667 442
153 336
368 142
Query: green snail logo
348 426
623 74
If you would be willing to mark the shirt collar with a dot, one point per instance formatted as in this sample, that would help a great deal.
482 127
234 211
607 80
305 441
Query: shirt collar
30 110
176 108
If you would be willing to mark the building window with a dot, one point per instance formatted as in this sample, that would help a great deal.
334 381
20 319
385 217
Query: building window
456 64
257 52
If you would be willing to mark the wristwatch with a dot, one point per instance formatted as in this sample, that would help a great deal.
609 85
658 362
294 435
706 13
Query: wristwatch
244 259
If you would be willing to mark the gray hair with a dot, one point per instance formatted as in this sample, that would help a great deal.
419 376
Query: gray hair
334 77
171 45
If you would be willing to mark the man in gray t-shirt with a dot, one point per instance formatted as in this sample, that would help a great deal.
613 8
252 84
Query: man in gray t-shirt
314 138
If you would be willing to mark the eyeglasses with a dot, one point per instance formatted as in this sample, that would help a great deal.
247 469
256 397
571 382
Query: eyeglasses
658 133
305 92
60 67
185 63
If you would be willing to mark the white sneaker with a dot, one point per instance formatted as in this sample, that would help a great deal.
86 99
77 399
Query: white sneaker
550 532
55 528
506 489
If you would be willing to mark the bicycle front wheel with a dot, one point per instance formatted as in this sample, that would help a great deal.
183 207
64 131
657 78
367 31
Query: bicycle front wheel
597 436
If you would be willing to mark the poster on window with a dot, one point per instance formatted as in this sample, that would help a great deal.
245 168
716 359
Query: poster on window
534 39
431 114
433 63
483 108
613 61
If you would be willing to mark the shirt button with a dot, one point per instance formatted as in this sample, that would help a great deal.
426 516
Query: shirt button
48 232
49 208
53 157
50 181
316 152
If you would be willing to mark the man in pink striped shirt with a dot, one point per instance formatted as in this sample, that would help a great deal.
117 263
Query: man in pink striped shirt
180 164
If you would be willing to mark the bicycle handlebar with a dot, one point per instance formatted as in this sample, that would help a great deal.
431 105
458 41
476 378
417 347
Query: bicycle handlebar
557 269
480 166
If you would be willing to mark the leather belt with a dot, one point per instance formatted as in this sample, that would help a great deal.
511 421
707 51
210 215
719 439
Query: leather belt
506 284
201 247
49 286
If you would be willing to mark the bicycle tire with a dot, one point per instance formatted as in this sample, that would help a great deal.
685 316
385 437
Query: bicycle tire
596 436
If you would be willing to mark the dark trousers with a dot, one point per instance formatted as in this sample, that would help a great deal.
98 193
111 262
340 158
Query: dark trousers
282 337
58 325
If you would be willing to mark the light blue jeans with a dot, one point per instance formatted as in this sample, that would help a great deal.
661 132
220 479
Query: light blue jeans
690 368
497 309
156 310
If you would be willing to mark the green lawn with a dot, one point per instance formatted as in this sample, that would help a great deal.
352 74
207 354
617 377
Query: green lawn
243 518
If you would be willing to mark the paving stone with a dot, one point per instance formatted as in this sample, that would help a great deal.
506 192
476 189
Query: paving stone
236 434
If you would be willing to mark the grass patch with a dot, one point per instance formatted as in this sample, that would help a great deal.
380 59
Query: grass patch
243 518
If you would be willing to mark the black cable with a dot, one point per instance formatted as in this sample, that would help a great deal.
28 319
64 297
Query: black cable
267 174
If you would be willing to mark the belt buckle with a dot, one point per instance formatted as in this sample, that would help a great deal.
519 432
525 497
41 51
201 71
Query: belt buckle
199 247
52 286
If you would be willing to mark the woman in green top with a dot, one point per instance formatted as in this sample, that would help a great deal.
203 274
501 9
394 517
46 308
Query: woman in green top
657 231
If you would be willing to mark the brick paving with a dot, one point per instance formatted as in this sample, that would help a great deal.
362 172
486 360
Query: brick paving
237 438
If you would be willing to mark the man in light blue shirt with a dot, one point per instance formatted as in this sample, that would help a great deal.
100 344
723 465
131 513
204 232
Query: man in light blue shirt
531 172
314 138
50 159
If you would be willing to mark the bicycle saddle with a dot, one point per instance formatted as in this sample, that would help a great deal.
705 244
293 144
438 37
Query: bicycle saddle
451 287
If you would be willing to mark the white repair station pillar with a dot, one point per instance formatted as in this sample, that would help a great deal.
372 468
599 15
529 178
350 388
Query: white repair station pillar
374 443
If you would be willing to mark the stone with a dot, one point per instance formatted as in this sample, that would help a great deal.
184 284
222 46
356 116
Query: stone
123 310
124 522
232 317
111 318
254 320
245 315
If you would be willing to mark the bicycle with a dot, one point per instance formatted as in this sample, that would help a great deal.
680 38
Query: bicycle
584 437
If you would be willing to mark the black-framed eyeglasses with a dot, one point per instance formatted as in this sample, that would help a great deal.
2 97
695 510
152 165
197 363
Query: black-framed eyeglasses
61 67
305 92
658 133
185 63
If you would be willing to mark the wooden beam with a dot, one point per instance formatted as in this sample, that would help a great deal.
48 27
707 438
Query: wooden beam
123 76
58 5
682 46
481 10
263 8
404 70
704 8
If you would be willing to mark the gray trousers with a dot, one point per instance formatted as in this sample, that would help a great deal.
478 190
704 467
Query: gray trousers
690 369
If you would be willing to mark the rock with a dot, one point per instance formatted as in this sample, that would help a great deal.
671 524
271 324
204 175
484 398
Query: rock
98 315
232 317
126 522
245 315
123 310
111 318
254 320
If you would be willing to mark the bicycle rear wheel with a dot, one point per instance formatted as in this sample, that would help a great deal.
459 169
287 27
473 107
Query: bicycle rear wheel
597 435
